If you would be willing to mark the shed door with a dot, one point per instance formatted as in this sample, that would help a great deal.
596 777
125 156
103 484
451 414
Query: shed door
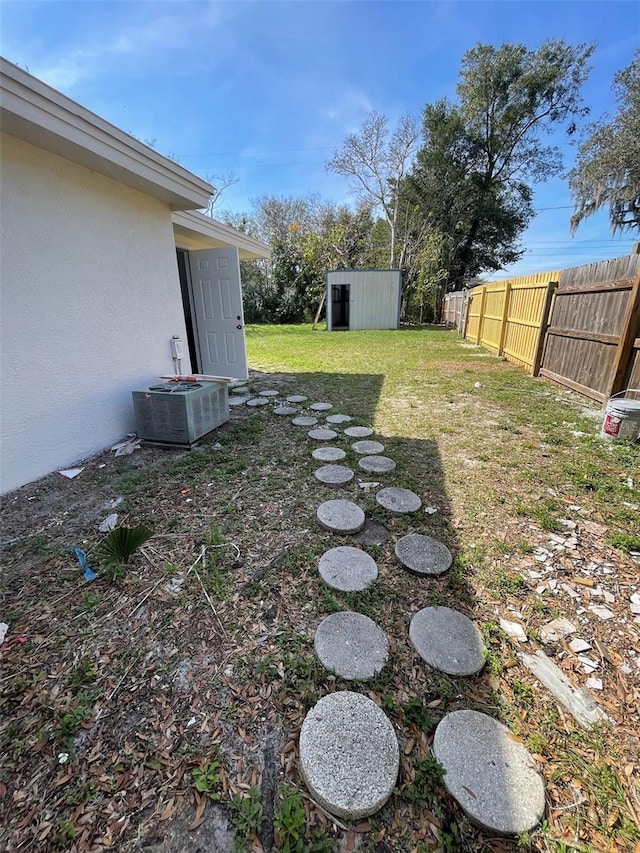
217 312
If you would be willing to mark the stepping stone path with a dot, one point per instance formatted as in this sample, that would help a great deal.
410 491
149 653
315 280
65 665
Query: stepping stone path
423 555
398 500
322 434
334 475
340 516
366 448
358 432
447 640
257 401
377 464
285 410
347 569
237 401
493 778
328 454
349 755
351 645
269 393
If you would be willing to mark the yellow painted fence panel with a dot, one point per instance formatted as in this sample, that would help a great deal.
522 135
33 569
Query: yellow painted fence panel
506 316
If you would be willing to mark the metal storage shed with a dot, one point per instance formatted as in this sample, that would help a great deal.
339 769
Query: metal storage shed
363 299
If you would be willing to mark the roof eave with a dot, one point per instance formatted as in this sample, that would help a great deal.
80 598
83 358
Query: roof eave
40 115
195 231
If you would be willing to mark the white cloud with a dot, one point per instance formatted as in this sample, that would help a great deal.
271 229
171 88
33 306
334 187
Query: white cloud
348 110
155 39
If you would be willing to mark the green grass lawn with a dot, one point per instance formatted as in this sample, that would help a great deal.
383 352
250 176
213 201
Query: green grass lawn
500 434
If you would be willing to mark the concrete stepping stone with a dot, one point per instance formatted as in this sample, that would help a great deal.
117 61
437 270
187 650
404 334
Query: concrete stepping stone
349 755
321 407
322 434
351 645
338 419
285 410
239 389
367 448
398 500
237 401
269 393
447 640
347 569
304 421
377 464
296 398
358 432
328 454
373 533
493 778
257 401
423 555
340 516
334 475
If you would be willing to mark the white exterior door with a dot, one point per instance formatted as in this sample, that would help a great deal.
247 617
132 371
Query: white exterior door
216 297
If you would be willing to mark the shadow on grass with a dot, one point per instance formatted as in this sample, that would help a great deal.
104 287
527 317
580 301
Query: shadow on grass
414 696
253 481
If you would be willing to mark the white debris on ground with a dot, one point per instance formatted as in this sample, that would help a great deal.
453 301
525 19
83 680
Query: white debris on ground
595 642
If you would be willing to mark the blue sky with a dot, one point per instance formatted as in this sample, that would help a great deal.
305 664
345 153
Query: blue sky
268 89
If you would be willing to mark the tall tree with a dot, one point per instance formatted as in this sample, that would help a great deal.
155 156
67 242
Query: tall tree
474 174
607 169
376 164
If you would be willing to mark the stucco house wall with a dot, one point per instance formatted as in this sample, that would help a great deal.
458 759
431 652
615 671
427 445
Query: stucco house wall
74 340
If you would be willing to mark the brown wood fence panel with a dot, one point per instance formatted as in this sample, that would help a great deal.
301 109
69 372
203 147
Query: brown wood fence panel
591 333
454 309
617 269
632 379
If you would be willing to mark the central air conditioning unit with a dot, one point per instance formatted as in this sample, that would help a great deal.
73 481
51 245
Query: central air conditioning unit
180 413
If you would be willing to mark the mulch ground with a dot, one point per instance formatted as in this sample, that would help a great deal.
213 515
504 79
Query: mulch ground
117 696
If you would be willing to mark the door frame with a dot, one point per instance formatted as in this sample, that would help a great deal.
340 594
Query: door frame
184 274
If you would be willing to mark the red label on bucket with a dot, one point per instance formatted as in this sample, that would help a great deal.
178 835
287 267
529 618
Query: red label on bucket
611 425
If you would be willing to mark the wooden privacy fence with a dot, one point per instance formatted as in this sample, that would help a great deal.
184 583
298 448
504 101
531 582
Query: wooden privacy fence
506 317
454 309
579 327
592 343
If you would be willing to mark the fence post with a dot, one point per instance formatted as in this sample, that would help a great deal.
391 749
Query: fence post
544 325
628 334
483 300
505 317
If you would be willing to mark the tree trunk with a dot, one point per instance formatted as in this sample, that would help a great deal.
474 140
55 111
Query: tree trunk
319 311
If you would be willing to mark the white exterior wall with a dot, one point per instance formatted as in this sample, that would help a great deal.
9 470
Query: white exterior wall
89 300
374 297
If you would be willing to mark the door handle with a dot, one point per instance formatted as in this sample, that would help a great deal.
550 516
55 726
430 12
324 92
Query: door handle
238 326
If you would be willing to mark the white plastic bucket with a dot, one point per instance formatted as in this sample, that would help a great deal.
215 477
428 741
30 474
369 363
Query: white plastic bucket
622 418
